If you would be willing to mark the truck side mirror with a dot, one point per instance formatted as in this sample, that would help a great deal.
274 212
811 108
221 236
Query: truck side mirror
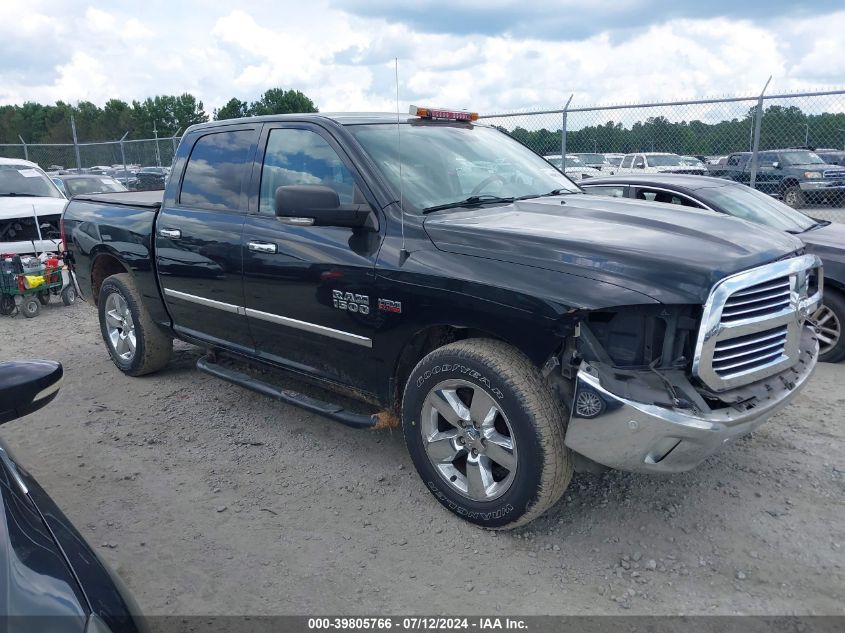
318 205
26 386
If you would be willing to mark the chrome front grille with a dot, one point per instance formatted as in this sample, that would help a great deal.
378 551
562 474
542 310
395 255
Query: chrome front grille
834 173
750 351
769 297
751 324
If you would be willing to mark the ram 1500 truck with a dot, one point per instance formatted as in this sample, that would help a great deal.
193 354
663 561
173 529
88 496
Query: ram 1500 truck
440 271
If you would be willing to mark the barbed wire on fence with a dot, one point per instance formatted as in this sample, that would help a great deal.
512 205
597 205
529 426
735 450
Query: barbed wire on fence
130 153
707 127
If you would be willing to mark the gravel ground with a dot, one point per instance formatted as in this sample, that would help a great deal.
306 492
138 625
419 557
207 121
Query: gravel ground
208 499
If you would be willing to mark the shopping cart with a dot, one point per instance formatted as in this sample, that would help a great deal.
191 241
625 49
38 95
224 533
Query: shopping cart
27 291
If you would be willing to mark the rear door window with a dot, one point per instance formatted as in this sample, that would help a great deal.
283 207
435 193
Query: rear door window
666 197
626 162
214 176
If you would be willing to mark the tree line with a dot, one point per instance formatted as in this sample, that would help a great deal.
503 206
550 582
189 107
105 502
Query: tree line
781 127
165 115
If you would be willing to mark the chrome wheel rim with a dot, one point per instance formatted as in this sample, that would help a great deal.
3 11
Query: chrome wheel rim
468 440
791 198
828 328
120 327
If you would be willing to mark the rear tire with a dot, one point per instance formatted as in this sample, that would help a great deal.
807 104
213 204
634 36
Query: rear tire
30 307
7 305
830 318
485 396
135 343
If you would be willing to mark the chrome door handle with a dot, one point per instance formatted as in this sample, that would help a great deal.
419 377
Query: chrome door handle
173 234
263 247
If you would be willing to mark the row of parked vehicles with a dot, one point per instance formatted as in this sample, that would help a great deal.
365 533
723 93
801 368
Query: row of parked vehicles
515 326
798 176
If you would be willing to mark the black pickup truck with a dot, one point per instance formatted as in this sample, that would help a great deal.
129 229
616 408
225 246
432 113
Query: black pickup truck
514 326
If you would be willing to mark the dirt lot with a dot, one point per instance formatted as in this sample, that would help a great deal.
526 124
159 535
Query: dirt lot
208 499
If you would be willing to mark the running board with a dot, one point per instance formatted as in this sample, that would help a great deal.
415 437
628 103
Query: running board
337 413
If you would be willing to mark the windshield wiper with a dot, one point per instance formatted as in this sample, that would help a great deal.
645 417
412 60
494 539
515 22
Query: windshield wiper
14 194
469 202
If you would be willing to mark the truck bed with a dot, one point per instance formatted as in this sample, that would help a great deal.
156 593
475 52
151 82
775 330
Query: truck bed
144 199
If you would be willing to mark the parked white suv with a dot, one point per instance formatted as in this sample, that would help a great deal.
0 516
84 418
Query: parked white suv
658 163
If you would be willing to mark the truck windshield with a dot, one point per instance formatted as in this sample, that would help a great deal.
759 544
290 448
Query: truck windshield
801 158
755 206
20 179
445 163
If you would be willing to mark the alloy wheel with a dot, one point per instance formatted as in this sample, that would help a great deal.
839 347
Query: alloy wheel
468 440
828 328
120 326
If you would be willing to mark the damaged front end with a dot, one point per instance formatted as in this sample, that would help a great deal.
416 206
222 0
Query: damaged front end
660 388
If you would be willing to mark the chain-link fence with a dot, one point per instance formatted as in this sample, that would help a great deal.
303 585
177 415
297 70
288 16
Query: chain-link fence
69 156
702 132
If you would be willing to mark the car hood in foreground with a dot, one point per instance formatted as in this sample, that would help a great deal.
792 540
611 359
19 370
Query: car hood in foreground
34 577
641 246
39 547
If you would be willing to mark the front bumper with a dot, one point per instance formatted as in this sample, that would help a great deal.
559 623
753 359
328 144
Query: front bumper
629 435
823 186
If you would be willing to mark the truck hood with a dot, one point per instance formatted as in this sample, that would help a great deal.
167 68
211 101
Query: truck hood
12 207
669 255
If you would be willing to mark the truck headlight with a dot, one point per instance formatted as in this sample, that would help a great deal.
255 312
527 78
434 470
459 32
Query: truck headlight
812 174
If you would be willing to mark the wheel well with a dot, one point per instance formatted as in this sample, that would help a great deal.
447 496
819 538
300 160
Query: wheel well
104 266
786 183
423 343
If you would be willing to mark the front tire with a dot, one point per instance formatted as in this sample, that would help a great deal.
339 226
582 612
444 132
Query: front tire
485 433
30 307
135 343
69 295
793 197
829 319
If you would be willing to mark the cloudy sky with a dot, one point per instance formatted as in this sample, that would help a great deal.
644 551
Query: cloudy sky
487 55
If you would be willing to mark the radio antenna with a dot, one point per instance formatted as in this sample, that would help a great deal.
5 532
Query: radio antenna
403 253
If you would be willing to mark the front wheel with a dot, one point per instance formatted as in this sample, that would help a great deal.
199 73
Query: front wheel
485 433
135 343
68 294
828 320
30 307
793 197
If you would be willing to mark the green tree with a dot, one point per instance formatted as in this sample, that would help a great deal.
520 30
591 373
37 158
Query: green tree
234 109
278 101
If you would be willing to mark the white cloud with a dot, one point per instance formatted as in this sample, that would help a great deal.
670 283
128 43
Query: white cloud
49 51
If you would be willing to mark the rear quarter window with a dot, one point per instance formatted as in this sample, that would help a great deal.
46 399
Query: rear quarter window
216 169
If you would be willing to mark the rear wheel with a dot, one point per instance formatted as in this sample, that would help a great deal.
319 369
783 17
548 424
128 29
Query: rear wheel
7 305
136 344
829 319
793 197
30 307
486 433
